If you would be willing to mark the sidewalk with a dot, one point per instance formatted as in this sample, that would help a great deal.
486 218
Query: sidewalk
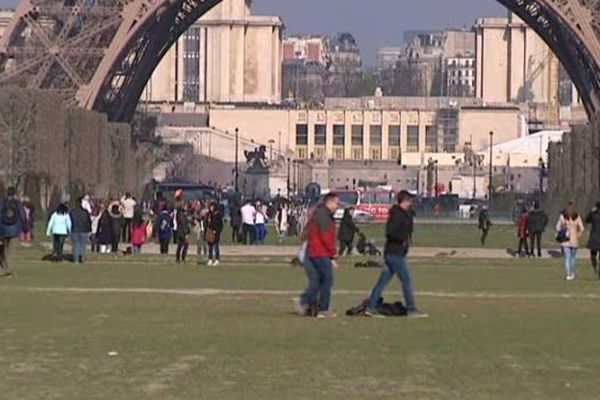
292 251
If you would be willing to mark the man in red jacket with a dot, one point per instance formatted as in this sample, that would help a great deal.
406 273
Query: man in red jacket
320 260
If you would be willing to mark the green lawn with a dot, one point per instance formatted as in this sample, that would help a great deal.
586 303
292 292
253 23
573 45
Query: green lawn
506 329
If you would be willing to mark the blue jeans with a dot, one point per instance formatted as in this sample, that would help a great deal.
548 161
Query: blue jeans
261 233
570 258
214 252
136 249
394 264
79 245
320 280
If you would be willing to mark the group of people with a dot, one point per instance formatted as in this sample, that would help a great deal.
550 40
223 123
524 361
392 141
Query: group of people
319 257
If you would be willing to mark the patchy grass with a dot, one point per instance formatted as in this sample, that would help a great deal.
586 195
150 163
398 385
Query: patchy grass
498 329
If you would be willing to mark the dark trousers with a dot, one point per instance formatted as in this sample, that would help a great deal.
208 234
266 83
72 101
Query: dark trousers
595 254
5 268
182 248
535 238
248 232
164 245
214 253
484 235
58 245
125 230
114 247
95 243
320 280
235 234
523 243
345 246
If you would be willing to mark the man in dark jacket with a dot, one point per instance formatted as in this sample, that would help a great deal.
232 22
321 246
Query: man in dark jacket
182 232
347 230
11 226
537 220
593 244
485 223
398 232
321 254
235 215
81 226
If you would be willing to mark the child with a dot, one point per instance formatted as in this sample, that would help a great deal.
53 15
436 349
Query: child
137 233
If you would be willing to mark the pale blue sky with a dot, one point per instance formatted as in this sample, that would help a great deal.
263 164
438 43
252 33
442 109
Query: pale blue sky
374 23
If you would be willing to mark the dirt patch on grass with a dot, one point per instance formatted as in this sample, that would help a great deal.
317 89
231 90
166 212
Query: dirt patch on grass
165 378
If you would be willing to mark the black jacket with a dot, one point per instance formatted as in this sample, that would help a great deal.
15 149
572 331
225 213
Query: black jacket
81 221
347 229
484 220
236 216
183 224
537 221
398 231
215 223
594 241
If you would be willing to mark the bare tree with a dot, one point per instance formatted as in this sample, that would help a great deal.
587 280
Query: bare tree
17 135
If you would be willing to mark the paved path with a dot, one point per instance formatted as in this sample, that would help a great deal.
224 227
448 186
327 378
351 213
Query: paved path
418 252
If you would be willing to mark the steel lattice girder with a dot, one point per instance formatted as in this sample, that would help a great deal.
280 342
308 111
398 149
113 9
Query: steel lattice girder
100 53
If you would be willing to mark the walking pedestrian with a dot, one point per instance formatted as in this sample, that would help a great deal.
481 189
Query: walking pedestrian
81 227
59 227
105 232
214 227
281 219
235 219
260 224
95 218
11 226
397 231
537 220
484 224
116 220
28 220
593 244
321 258
347 231
182 233
137 232
569 228
163 229
523 234
248 221
127 204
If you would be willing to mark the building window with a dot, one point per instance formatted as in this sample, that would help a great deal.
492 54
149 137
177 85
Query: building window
320 135
357 135
376 135
339 135
431 138
301 135
394 135
412 138
191 65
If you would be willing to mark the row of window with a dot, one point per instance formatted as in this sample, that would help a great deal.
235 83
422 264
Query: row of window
376 137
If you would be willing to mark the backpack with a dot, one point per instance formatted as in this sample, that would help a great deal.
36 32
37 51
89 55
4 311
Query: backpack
10 213
164 226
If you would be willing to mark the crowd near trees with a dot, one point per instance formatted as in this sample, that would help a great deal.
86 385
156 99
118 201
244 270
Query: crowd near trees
49 151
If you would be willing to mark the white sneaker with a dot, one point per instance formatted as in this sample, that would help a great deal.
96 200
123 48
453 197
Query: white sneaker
209 263
571 277
298 307
216 262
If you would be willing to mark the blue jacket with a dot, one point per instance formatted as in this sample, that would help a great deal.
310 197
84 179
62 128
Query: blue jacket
11 231
59 224
163 227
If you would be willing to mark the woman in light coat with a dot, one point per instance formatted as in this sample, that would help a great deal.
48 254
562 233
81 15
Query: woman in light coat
59 227
570 229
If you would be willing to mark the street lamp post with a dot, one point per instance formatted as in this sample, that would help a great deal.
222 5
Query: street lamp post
289 161
491 172
237 172
279 146
271 141
474 159
437 191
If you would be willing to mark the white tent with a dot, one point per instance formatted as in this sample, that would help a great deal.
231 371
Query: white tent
536 144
